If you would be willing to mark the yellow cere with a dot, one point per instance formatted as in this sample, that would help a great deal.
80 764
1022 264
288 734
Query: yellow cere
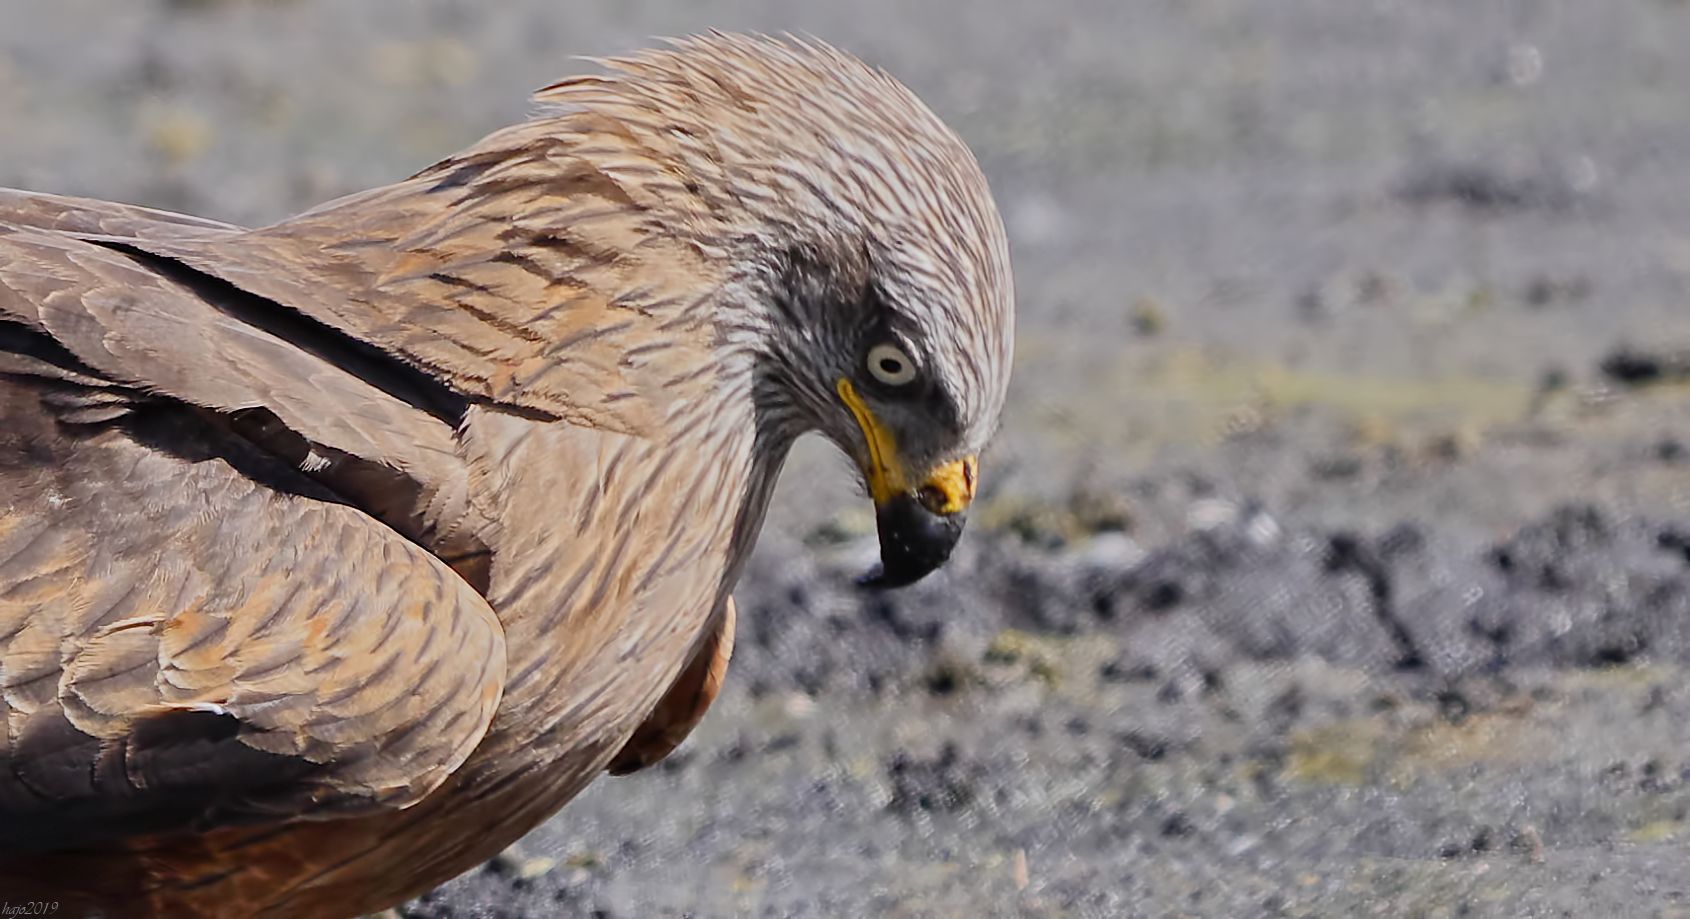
950 488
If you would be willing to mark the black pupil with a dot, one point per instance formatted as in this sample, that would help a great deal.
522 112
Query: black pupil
890 366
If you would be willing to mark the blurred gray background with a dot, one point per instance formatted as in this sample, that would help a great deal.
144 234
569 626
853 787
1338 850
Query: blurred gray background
1335 556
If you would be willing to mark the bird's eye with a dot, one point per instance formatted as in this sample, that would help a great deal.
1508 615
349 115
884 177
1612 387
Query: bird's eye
889 365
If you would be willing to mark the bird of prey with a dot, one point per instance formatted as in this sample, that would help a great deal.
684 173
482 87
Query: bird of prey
337 554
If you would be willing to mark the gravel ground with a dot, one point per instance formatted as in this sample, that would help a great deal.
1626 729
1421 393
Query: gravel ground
1336 555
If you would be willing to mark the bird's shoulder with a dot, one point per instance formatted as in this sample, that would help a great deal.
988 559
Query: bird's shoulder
113 329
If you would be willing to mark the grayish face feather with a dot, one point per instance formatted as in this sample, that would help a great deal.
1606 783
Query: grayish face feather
936 295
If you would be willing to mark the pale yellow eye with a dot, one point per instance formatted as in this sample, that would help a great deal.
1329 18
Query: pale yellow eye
890 366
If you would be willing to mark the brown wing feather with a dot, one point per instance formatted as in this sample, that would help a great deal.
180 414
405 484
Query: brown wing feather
87 215
200 622
343 416
138 326
192 634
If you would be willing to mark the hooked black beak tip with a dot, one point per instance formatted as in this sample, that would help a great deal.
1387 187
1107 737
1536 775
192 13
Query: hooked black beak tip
914 542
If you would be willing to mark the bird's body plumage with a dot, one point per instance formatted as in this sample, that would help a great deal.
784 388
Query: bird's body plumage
337 554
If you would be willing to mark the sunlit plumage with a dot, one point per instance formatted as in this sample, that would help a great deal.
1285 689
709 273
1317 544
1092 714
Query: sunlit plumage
337 554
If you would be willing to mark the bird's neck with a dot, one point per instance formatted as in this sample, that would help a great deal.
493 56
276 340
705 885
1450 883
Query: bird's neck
611 554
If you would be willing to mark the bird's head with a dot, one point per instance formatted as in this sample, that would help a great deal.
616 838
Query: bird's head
902 362
866 250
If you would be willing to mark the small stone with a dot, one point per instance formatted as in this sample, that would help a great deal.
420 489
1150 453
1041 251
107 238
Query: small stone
1148 317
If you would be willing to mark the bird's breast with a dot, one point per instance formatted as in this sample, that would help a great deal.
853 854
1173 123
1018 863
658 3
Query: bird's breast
613 552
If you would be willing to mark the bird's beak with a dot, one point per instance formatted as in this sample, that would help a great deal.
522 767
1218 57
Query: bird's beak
919 518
